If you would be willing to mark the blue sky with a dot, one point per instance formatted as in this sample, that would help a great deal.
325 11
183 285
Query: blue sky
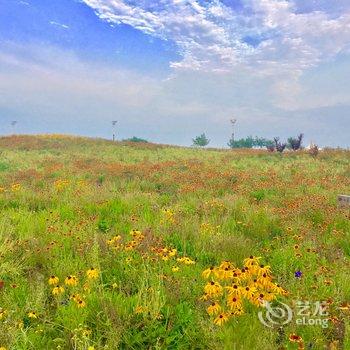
168 70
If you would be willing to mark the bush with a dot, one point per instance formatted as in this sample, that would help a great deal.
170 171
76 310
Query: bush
295 143
135 139
250 142
201 141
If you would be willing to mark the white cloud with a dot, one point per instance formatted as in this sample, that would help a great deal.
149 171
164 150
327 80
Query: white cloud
211 36
64 26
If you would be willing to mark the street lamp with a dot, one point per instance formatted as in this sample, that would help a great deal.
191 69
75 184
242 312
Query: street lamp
114 123
233 122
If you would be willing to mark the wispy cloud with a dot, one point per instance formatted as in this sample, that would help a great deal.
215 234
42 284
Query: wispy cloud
64 26
212 36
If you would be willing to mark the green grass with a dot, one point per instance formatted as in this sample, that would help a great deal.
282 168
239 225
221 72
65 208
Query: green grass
75 194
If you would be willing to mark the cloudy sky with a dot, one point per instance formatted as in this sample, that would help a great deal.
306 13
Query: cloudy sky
168 70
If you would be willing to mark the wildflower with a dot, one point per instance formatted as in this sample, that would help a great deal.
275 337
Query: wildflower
139 309
221 319
208 272
3 314
213 288
81 303
58 290
248 291
53 280
186 260
264 270
15 187
237 312
32 314
92 273
298 274
234 290
225 273
2 348
71 280
213 308
251 261
172 252
128 260
204 297
294 338
175 268
344 307
234 302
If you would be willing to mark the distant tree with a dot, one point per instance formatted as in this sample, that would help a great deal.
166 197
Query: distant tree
135 139
279 146
201 141
295 143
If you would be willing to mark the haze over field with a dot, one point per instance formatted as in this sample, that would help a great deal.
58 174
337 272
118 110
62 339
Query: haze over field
169 70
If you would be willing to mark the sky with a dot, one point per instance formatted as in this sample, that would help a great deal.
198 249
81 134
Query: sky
169 70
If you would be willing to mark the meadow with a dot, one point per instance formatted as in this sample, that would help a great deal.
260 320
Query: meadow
112 245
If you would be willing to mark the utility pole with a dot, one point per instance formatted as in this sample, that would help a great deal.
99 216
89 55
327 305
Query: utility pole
233 122
13 124
114 123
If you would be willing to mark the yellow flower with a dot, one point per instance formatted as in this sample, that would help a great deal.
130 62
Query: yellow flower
251 261
208 272
80 303
234 290
128 260
71 280
139 310
204 297
188 261
221 319
213 288
58 290
213 308
15 187
92 273
3 314
234 302
91 348
32 314
264 270
2 348
175 268
172 252
225 273
53 280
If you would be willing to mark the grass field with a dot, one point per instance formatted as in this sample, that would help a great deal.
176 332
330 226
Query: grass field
137 246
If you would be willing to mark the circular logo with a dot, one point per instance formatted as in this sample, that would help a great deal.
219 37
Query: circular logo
277 315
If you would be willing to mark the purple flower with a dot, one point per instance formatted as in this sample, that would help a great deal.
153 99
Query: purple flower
298 274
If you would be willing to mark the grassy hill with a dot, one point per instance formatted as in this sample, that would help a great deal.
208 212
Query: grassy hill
140 246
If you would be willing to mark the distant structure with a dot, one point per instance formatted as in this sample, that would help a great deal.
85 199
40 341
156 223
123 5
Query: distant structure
114 123
233 122
312 145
